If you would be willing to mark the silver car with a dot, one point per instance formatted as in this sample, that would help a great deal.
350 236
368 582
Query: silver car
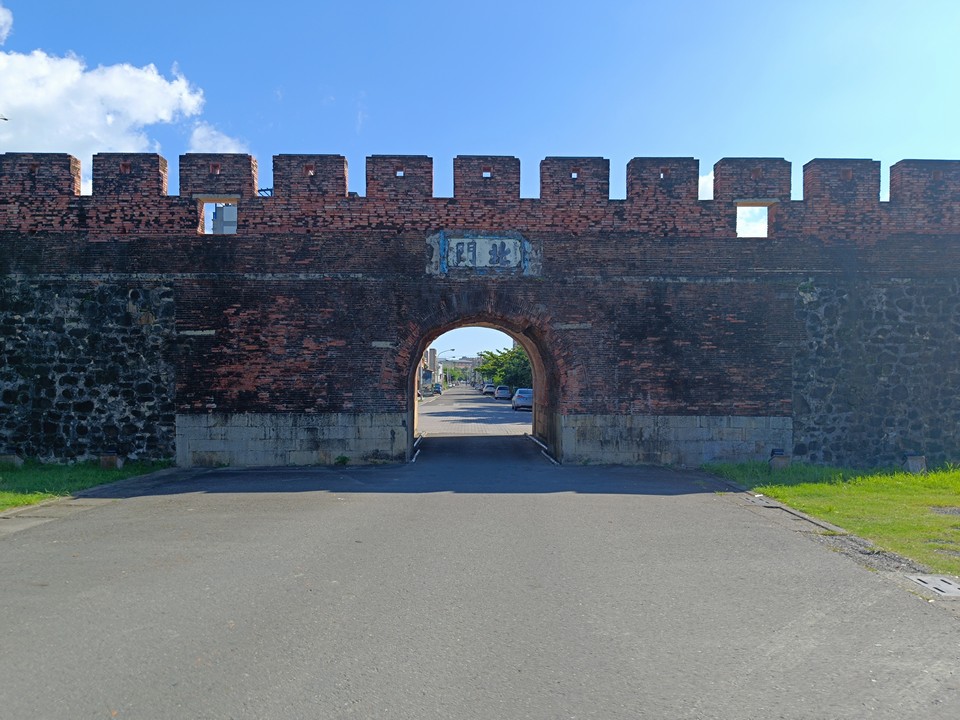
522 398
502 392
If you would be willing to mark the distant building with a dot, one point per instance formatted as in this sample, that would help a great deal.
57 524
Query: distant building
224 219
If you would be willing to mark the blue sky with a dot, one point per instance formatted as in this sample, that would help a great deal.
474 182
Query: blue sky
797 80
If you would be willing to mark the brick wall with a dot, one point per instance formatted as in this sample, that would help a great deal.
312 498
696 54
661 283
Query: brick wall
644 308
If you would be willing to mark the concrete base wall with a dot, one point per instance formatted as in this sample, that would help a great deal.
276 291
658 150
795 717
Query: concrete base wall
262 439
689 440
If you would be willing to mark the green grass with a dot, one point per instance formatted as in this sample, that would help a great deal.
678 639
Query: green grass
36 482
897 511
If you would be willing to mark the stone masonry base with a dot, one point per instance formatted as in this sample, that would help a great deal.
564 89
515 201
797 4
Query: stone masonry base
255 439
259 439
689 440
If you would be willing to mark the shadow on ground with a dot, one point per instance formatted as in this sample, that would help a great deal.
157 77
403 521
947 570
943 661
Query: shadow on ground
480 417
490 464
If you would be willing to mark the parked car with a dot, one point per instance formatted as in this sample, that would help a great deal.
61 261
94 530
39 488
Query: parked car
438 388
489 389
522 398
502 392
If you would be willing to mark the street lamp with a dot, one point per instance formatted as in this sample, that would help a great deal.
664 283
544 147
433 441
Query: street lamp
439 365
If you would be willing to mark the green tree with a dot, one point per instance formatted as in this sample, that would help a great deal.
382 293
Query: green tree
507 367
455 374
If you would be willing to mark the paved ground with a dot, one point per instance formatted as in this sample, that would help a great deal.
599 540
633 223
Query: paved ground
479 582
464 411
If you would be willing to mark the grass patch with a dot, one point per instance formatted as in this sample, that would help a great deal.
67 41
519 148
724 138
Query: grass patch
917 516
36 482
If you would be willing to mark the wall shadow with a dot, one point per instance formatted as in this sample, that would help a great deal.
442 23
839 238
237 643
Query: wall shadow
470 465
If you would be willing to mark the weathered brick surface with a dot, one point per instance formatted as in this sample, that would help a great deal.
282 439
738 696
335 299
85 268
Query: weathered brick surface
218 175
758 179
322 303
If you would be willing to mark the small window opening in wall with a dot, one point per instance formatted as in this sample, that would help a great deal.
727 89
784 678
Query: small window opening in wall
214 168
574 174
487 172
937 175
309 170
756 174
664 173
34 168
752 221
219 218
124 168
846 174
400 172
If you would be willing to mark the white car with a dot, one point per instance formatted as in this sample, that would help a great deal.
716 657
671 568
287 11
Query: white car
502 392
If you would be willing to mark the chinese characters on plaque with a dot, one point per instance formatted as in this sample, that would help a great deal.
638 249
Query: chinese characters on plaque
484 252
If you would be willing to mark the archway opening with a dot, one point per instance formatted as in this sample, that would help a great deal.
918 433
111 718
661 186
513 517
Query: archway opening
456 360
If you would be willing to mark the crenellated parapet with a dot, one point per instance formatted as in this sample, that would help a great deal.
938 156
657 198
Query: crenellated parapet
658 182
39 175
129 175
581 180
400 178
306 176
841 197
926 192
218 175
486 178
751 181
841 201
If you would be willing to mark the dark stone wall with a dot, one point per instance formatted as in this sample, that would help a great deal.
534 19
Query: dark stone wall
878 374
87 369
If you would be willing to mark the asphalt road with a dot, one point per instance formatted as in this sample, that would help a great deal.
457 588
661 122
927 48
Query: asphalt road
479 582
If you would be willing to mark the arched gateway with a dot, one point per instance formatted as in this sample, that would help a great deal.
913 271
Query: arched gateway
286 329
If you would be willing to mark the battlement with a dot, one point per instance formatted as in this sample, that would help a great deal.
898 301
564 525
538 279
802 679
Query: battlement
39 174
565 180
835 182
486 178
305 175
218 175
925 182
399 177
653 181
127 174
751 180
841 197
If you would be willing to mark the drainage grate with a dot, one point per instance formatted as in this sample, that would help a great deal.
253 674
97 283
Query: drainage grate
940 585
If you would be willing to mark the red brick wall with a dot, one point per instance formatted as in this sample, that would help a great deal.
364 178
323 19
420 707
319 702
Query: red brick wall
321 302
40 192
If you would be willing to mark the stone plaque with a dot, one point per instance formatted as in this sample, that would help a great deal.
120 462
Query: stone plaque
481 253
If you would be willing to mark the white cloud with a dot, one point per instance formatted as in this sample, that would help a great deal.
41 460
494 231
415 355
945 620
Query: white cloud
751 222
705 189
58 104
207 139
6 24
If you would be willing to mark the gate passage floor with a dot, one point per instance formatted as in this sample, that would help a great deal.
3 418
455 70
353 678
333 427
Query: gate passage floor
479 582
